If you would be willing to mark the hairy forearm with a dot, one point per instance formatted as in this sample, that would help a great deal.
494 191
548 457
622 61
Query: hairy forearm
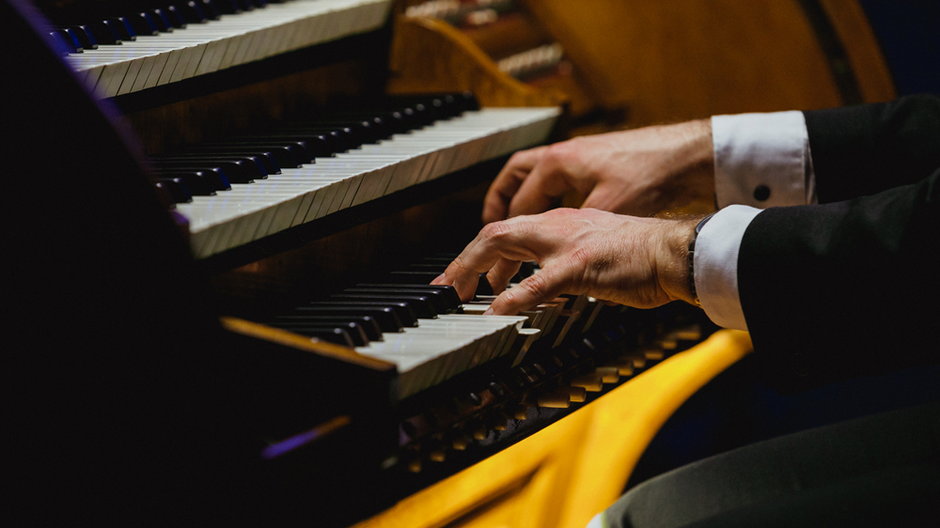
692 146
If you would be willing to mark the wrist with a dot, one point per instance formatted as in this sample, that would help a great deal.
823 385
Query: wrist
693 170
674 270
699 150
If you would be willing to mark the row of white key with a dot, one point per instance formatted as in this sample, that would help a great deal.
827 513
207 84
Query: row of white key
252 211
439 349
231 40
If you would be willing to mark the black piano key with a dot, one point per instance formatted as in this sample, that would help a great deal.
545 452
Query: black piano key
466 101
197 186
234 172
210 8
449 292
366 323
286 154
385 316
483 286
254 165
175 189
406 315
267 159
423 276
265 162
438 298
333 335
356 335
192 12
389 119
62 43
175 16
85 36
107 32
525 270
443 105
144 23
421 305
228 7
340 138
366 129
318 145
162 19
123 29
213 180
75 38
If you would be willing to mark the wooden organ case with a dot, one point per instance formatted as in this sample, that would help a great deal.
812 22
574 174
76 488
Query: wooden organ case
175 371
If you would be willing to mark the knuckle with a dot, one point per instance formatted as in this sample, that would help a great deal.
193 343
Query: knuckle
560 212
517 157
536 286
584 266
557 153
581 258
495 230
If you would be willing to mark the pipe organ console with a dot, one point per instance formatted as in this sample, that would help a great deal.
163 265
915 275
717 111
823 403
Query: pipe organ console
249 199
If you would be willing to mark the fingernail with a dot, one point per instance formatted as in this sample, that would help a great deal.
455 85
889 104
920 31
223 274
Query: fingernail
438 278
488 311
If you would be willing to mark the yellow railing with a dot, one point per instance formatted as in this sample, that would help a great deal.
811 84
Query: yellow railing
564 474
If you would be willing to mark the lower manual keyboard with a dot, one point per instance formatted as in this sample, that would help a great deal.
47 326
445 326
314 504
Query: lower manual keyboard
469 384
424 330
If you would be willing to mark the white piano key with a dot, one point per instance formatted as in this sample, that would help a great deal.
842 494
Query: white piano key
438 349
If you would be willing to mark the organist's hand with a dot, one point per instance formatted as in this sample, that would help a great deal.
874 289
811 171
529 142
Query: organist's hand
639 172
639 262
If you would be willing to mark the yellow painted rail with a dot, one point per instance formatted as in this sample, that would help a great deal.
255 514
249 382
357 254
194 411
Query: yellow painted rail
564 474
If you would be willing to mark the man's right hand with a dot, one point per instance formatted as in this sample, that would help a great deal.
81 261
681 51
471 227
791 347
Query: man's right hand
639 262
637 172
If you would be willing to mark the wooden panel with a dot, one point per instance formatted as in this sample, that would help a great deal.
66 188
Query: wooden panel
864 54
429 55
681 59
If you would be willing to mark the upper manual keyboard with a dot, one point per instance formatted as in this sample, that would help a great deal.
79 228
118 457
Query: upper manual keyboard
144 48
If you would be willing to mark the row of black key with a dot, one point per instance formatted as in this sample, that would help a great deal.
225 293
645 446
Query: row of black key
111 23
210 167
360 314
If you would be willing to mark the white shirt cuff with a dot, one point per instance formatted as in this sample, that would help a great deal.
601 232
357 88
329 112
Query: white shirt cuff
762 159
715 264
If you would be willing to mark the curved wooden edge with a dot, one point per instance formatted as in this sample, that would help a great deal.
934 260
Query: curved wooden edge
312 345
626 420
430 55
864 53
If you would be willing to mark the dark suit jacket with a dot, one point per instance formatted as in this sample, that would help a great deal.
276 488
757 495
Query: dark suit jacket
851 286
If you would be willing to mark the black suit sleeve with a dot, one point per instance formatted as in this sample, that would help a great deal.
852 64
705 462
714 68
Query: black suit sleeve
850 287
865 149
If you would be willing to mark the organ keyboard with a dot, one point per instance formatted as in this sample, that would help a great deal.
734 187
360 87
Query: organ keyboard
469 383
323 381
337 178
141 45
